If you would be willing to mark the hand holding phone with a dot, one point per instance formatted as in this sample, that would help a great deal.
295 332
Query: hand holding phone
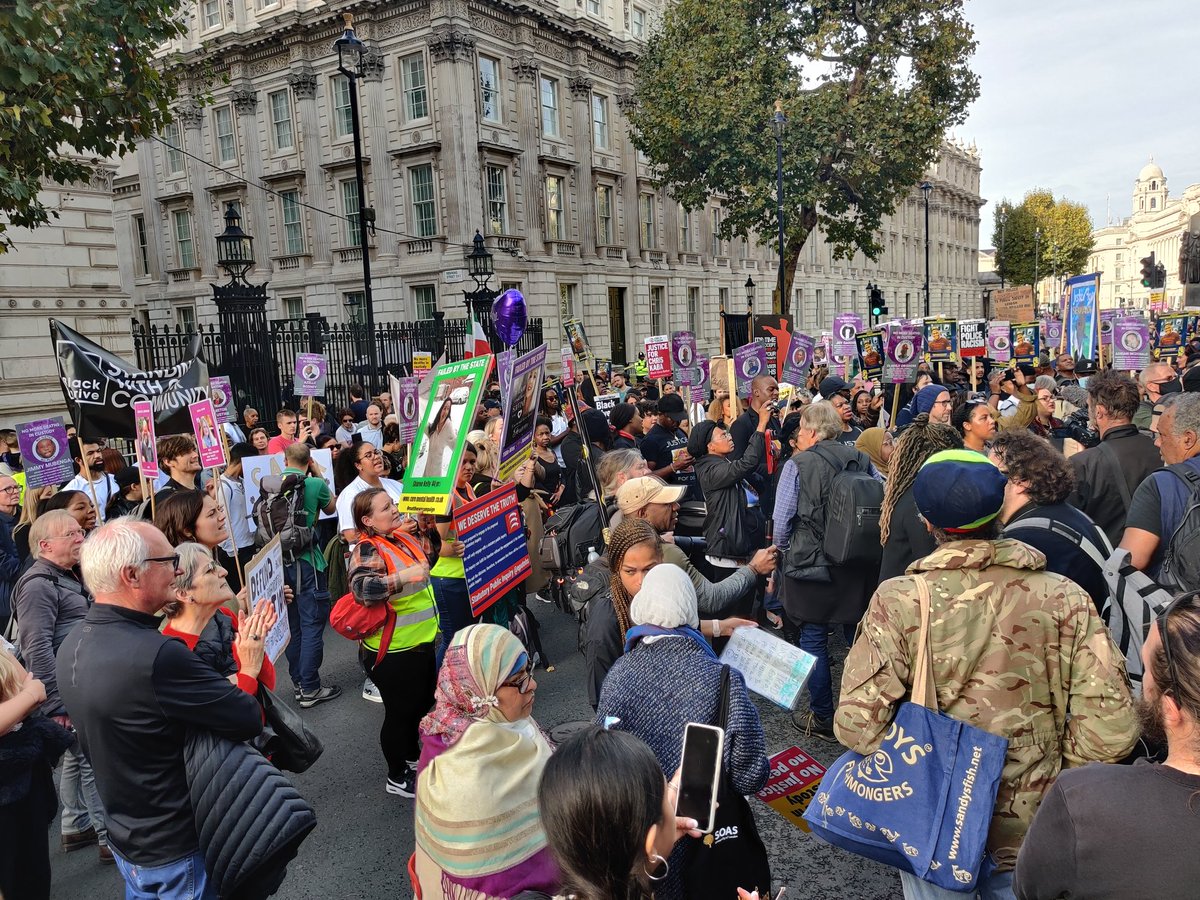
700 774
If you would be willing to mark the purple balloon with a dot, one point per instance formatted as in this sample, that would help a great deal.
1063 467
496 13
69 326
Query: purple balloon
509 315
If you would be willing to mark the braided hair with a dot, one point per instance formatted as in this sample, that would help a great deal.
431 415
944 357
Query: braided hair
918 442
630 533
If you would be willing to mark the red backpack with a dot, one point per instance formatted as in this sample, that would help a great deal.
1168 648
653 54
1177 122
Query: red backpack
357 621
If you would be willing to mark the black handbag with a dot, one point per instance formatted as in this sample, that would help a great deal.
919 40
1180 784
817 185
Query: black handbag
290 745
733 855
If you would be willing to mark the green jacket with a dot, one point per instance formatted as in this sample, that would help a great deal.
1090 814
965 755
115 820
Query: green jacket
1017 651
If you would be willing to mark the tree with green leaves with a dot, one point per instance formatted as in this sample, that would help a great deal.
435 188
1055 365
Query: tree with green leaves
79 82
868 91
1060 231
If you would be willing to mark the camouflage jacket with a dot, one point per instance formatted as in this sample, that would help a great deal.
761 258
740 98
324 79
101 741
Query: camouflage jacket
1017 651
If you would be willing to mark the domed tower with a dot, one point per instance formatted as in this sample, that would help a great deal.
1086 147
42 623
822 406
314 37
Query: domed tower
1150 189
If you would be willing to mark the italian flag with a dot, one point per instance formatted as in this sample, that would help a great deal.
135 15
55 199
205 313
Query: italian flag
476 343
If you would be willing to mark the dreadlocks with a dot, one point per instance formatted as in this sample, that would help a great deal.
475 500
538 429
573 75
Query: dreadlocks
918 442
630 533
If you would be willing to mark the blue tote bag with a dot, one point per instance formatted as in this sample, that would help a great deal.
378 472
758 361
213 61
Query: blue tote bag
923 801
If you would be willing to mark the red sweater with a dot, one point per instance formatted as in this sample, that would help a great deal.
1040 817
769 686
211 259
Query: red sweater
266 675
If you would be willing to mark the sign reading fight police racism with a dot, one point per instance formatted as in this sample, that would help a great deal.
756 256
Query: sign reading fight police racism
264 580
495 556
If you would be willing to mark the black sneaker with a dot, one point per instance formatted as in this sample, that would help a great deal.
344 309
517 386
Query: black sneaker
296 694
810 726
406 786
320 695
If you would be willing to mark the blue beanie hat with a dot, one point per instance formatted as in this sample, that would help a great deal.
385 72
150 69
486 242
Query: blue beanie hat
923 401
959 490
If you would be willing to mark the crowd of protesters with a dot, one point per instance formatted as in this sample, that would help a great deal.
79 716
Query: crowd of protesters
1002 503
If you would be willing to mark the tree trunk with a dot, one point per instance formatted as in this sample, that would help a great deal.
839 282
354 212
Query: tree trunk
794 243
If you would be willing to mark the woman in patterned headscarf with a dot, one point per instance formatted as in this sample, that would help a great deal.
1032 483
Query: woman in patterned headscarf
478 831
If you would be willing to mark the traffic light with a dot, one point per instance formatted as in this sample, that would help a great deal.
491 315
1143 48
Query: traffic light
878 308
1160 276
1148 270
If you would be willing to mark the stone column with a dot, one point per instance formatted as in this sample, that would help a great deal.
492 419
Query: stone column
452 50
525 67
373 107
581 91
630 207
199 176
304 92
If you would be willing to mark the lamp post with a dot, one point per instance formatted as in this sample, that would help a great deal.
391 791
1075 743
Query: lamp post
749 296
926 189
1000 252
242 318
350 51
481 269
777 123
1037 237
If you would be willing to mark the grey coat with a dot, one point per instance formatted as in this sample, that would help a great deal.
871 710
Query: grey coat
49 602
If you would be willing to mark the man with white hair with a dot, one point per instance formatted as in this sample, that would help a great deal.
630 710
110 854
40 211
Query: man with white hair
132 694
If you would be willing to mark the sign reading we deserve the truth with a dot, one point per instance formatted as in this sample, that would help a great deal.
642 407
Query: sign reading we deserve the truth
264 580
495 556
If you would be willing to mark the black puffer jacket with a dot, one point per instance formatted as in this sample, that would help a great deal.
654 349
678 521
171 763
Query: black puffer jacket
732 528
250 819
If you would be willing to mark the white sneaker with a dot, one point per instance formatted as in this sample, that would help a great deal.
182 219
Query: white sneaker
370 692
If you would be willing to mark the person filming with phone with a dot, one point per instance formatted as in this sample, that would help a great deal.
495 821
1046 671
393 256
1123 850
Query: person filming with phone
670 677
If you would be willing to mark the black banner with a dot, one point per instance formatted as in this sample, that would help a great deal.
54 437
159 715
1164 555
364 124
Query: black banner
100 387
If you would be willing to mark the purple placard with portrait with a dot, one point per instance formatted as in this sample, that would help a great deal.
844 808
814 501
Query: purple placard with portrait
1107 317
999 341
683 349
903 353
798 359
1131 343
1052 334
45 452
749 362
407 409
311 369
208 439
220 392
845 328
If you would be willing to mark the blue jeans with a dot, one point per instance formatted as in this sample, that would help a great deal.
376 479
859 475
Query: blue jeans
307 615
80 799
184 879
996 887
814 639
454 610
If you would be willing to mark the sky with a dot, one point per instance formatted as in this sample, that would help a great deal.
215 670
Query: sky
1064 90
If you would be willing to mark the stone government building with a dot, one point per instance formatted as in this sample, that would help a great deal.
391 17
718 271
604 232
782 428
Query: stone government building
506 118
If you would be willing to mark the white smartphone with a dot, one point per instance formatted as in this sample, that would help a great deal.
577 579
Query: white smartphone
700 773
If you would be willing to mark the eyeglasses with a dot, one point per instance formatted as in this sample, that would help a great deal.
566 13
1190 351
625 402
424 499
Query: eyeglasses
70 535
11 489
1163 633
942 402
173 559
370 454
523 683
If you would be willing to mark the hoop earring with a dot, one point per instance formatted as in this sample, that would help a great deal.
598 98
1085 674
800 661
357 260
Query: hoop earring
666 868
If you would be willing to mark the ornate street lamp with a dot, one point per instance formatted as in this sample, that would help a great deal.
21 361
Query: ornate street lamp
749 295
479 262
481 270
926 189
351 52
235 248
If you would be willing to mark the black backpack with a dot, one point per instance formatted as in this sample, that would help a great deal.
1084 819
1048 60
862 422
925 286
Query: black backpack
569 533
1181 561
279 510
852 514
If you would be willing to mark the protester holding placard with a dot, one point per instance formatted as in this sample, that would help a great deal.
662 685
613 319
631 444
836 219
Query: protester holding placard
91 477
180 461
356 470
201 615
449 576
389 566
305 575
